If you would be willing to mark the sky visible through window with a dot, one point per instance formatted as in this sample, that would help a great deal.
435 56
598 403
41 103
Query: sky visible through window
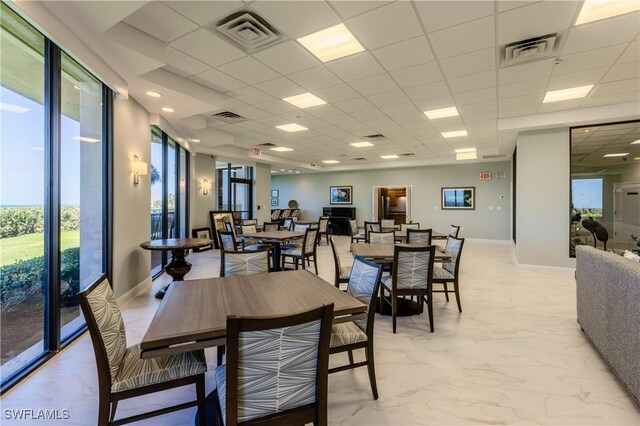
587 193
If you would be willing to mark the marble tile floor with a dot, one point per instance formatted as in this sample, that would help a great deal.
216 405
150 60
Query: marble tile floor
516 355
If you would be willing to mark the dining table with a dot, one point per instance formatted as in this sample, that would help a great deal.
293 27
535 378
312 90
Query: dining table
276 239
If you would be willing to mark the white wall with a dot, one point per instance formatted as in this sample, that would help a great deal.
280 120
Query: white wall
131 203
262 193
542 202
203 167
486 221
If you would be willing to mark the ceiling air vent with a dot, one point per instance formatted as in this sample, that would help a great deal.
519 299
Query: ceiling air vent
229 117
247 30
531 49
268 144
488 157
408 154
376 137
359 159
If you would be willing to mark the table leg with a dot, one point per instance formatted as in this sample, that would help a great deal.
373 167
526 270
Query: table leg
176 269
276 256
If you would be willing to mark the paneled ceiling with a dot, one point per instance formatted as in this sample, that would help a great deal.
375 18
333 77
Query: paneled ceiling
419 55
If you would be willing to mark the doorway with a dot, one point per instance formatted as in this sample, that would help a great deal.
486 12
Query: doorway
626 213
392 203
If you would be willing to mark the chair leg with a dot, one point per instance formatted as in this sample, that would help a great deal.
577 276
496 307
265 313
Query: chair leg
350 353
394 311
114 407
430 311
371 369
104 406
457 290
446 291
315 264
220 350
201 396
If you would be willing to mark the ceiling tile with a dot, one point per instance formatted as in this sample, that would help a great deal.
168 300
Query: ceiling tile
280 87
355 67
202 12
428 91
464 38
631 85
208 48
475 96
218 80
327 111
405 54
603 33
504 5
436 103
315 78
470 63
559 106
420 74
524 72
347 9
182 64
535 20
473 82
478 107
623 72
159 21
249 70
297 18
373 85
368 114
398 110
632 54
250 95
437 15
588 60
615 98
385 25
287 57
353 105
520 101
522 88
518 112
388 98
337 93
576 79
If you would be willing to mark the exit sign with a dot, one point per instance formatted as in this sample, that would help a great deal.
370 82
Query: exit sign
485 176
256 152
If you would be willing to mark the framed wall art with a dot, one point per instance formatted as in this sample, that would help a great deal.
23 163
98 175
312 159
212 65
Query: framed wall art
341 195
202 233
463 198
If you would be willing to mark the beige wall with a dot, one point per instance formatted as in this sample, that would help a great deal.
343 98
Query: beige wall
203 167
262 193
131 203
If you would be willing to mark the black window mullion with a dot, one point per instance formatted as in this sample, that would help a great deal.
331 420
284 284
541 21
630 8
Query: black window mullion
187 175
178 197
107 181
165 190
52 197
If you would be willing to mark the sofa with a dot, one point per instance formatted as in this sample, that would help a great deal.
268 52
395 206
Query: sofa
608 300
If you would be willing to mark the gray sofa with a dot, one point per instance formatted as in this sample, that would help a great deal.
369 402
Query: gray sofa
608 292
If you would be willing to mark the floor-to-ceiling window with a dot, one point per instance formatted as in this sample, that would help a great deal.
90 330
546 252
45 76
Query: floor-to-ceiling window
54 139
235 189
169 195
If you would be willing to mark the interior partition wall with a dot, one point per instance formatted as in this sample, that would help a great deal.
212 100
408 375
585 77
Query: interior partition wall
55 186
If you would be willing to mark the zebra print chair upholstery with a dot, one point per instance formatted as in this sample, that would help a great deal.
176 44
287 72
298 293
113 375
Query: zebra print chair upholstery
122 374
388 237
449 272
244 262
419 236
276 370
412 276
364 283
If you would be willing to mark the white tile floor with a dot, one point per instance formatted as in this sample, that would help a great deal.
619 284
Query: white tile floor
515 356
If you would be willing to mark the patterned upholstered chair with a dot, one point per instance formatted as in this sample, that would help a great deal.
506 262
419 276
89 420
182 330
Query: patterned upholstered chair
323 224
364 284
419 236
371 226
122 374
276 370
300 227
275 214
388 223
249 222
299 253
454 231
342 273
271 226
355 232
228 241
405 226
244 262
449 271
412 276
287 224
387 237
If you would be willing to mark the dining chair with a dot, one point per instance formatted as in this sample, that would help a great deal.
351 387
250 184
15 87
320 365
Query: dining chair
271 226
228 240
300 227
342 273
449 272
244 262
355 232
364 283
419 236
122 374
288 224
249 222
299 253
388 223
405 226
323 224
371 226
387 237
285 214
412 276
276 371
454 230
275 214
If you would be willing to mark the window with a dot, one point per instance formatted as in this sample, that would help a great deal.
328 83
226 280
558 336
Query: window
235 189
54 227
586 196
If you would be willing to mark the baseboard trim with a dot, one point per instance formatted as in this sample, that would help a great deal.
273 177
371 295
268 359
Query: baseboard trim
135 291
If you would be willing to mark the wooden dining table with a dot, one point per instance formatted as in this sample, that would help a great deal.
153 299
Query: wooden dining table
275 238
193 314
385 251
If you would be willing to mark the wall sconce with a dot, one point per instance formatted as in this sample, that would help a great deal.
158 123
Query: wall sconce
206 186
139 168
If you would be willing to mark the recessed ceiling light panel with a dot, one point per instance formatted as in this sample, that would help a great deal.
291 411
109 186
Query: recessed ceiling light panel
455 134
330 161
332 43
594 10
619 154
291 127
361 144
154 94
167 109
636 142
389 157
461 150
567 94
434 114
305 100
282 149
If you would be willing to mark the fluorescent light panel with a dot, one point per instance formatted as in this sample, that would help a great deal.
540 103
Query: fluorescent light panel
455 134
434 114
291 127
619 154
594 10
635 142
282 149
389 157
167 109
567 94
461 150
471 155
305 100
332 43
330 161
361 144
154 94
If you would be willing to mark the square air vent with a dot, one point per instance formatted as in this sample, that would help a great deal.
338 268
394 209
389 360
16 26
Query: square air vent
247 30
376 137
268 144
531 49
229 117
359 159
408 154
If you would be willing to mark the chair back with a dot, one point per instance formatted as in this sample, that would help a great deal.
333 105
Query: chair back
454 249
364 284
371 226
387 237
310 240
249 222
388 223
300 227
354 227
275 214
288 224
244 262
271 226
454 230
106 328
336 261
405 226
285 213
248 229
289 385
323 222
413 267
228 240
419 236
